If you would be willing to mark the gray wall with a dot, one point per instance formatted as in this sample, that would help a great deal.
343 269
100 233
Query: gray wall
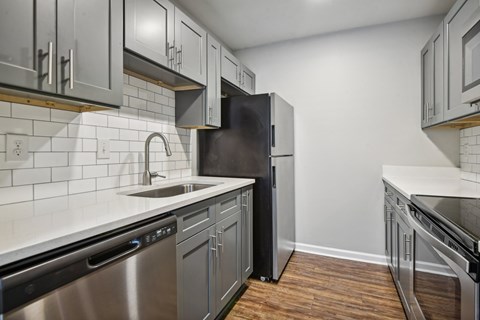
357 106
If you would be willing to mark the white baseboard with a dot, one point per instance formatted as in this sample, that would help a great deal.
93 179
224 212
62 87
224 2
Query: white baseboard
341 254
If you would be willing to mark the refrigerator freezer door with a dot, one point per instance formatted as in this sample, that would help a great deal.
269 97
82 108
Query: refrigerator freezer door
283 198
281 126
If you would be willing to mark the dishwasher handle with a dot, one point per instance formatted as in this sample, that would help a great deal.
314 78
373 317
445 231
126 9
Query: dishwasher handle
110 255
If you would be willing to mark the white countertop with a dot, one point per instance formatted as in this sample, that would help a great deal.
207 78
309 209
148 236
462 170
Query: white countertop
34 227
435 181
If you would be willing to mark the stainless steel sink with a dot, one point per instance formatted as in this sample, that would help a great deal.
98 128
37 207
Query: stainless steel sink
172 191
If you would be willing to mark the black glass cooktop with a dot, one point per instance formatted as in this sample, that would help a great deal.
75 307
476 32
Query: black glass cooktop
458 216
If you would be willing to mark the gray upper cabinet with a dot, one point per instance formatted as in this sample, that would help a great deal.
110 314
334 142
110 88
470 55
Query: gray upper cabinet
228 271
248 80
149 29
231 67
454 23
90 50
213 114
433 79
236 73
191 43
72 48
247 233
28 44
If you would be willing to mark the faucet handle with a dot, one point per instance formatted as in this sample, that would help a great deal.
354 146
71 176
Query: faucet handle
157 175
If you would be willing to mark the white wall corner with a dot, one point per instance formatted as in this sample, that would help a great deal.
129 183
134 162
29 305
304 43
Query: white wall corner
341 254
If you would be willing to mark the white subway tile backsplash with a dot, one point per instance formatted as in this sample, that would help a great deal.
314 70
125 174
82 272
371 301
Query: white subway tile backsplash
66 116
82 158
67 173
24 111
5 109
81 131
31 176
116 122
95 171
40 144
16 194
108 183
63 144
130 135
137 124
4 165
79 186
141 84
67 144
50 190
5 178
108 133
10 125
90 145
94 119
50 159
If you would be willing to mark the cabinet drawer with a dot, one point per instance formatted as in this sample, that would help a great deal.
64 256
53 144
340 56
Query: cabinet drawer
228 204
194 218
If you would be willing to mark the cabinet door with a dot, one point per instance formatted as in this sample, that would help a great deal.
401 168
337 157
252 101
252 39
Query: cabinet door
427 74
388 231
90 50
229 264
248 80
194 218
149 29
28 44
195 276
405 268
213 114
191 44
230 68
247 233
453 27
228 204
437 104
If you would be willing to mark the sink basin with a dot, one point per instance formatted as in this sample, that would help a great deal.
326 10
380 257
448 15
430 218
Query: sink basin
172 191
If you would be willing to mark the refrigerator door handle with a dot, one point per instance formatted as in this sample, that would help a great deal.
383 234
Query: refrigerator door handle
274 176
273 135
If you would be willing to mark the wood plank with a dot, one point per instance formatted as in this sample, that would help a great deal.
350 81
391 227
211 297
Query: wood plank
318 287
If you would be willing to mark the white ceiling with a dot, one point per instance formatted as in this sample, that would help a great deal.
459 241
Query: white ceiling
249 23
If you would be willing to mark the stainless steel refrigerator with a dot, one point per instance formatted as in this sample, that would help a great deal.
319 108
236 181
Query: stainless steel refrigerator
256 141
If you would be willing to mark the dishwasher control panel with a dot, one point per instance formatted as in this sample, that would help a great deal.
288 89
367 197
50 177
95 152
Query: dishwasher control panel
159 234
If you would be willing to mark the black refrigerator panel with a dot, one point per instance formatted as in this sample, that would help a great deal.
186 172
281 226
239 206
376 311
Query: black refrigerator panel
241 148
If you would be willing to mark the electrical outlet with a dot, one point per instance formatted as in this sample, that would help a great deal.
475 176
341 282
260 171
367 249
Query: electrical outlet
103 149
17 147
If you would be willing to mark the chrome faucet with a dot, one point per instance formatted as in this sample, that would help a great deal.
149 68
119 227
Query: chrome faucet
147 175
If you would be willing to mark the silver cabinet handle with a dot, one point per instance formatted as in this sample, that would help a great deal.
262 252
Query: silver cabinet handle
408 241
214 247
171 57
240 77
50 63
174 59
220 238
71 60
180 57
428 112
245 197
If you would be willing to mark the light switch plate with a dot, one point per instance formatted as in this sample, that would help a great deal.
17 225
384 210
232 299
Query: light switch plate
103 149
17 147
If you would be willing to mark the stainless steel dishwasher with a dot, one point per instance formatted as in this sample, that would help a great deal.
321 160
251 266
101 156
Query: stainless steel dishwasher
127 274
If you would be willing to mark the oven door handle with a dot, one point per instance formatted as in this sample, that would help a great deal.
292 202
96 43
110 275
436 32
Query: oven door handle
441 248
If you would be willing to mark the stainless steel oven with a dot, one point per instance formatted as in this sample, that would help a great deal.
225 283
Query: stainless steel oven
446 260
471 59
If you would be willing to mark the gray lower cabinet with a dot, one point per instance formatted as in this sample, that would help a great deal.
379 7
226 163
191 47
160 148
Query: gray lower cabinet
247 233
210 251
398 245
454 23
196 277
228 274
71 48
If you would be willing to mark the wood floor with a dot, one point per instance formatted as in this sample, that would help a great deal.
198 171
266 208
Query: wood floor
318 287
